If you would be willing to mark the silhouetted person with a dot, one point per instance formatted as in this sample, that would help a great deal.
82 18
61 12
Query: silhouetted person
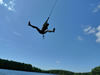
44 28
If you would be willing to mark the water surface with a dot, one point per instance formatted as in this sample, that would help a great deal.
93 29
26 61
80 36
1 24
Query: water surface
13 72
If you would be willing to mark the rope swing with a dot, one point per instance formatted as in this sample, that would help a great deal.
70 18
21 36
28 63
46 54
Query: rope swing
45 25
52 8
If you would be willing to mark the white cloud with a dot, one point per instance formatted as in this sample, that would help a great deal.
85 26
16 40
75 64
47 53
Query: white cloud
98 6
79 38
57 61
9 6
1 2
96 9
98 37
5 5
98 34
89 30
98 40
16 33
98 28
95 31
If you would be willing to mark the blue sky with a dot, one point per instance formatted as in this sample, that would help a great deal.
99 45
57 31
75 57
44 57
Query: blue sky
75 45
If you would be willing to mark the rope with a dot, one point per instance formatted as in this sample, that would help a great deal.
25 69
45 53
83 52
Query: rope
53 8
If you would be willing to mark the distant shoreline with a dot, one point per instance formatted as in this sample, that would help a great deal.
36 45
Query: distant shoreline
18 66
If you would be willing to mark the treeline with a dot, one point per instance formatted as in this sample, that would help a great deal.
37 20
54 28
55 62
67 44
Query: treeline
6 64
95 71
13 65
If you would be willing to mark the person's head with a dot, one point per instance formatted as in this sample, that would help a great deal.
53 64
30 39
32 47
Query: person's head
47 24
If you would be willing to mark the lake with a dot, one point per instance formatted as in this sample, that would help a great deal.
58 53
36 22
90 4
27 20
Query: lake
13 72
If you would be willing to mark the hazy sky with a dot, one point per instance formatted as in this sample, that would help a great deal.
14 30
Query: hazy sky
75 45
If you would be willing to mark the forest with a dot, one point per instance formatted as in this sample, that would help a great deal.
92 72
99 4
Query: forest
13 65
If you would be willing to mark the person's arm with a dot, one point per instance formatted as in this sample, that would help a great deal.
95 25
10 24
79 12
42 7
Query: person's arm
47 20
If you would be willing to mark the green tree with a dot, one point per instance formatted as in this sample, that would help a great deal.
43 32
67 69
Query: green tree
96 71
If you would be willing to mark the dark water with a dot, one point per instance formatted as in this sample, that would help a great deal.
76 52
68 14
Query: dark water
12 72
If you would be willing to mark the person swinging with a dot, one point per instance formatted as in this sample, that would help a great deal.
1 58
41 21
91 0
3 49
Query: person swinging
44 28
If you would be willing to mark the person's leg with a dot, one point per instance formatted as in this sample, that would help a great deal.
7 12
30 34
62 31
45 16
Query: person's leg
53 29
31 25
34 27
50 30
